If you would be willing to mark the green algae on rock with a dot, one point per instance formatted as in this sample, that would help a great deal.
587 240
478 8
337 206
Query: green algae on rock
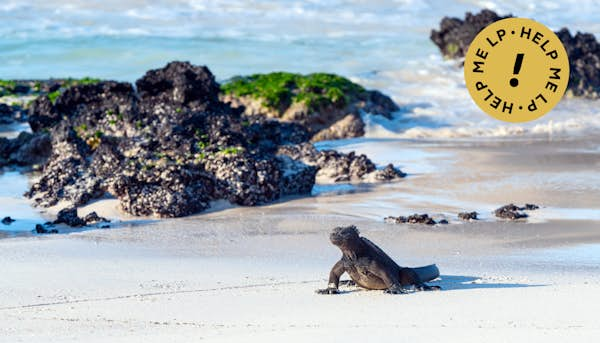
318 101
7 87
280 89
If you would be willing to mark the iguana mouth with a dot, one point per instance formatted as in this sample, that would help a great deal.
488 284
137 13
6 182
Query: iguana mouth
341 235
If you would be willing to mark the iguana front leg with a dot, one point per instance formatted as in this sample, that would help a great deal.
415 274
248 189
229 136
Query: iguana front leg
334 279
391 281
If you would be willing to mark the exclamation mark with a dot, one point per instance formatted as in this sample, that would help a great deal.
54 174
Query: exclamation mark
517 68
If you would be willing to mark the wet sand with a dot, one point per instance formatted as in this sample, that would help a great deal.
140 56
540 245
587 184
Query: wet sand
249 274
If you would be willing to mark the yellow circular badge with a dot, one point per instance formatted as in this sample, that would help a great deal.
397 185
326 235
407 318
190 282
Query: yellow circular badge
516 70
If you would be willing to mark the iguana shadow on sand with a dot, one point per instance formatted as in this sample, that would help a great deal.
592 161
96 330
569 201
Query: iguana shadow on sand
371 268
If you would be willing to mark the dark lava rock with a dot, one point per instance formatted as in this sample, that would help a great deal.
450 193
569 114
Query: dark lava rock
420 219
584 63
163 190
249 181
6 114
7 220
325 117
105 104
412 219
32 149
69 216
379 103
443 222
466 216
297 177
455 36
67 174
331 164
530 207
389 173
42 114
180 84
511 212
41 229
245 180
26 149
93 218
349 126
395 220
172 148
4 151
267 135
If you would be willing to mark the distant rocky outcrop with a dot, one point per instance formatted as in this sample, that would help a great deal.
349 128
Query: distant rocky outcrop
328 106
455 35
25 150
514 212
584 63
170 146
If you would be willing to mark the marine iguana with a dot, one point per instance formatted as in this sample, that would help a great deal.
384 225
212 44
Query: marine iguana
371 268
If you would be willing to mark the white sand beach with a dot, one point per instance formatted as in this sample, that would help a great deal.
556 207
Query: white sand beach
249 274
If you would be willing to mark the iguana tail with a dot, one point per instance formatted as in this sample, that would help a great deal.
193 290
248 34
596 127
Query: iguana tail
427 273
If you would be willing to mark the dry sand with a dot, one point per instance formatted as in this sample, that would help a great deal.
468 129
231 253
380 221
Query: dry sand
249 274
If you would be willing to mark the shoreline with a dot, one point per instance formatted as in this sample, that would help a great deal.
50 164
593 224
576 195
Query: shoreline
438 182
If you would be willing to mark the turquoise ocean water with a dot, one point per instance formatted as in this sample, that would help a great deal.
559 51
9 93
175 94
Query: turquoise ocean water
381 44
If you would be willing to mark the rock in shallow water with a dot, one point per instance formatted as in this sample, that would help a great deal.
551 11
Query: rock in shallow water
340 167
331 164
412 219
7 220
25 150
6 114
455 35
94 218
41 229
69 216
349 126
467 216
513 212
389 173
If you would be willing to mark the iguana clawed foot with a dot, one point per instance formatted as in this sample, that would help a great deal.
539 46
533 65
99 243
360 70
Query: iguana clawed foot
429 288
347 283
397 290
327 291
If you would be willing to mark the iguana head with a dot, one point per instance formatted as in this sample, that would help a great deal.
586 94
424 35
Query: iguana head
344 236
